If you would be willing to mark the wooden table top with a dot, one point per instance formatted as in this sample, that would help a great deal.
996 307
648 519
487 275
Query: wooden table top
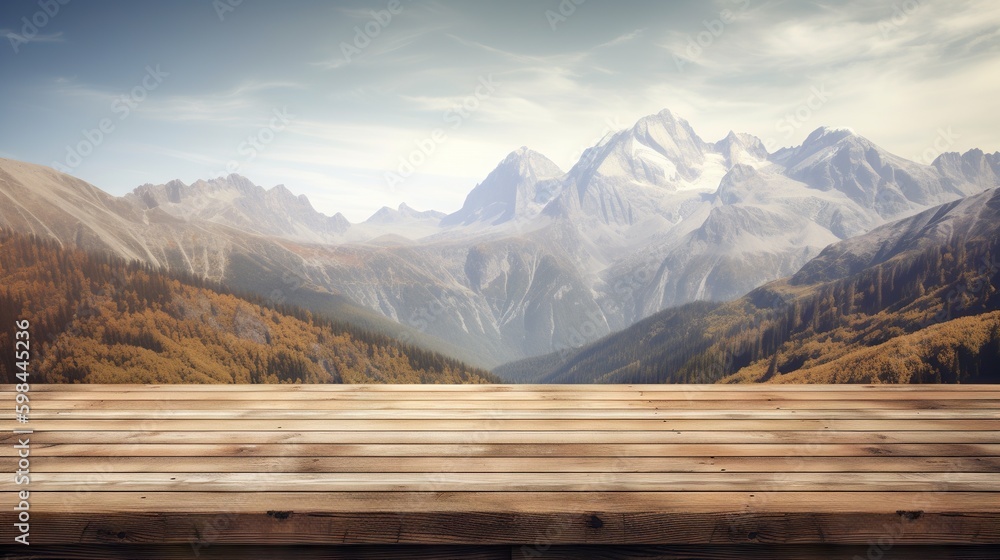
529 467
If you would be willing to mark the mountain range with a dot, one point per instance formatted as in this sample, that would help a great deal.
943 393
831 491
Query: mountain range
537 259
917 300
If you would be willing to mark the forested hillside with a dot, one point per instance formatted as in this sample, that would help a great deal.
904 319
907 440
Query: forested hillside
99 319
920 305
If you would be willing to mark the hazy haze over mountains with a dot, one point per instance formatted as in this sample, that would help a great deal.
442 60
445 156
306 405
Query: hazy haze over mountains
537 259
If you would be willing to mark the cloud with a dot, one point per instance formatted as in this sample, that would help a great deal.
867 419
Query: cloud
348 51
242 105
622 39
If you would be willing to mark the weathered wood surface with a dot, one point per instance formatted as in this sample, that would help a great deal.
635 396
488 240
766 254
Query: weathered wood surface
517 471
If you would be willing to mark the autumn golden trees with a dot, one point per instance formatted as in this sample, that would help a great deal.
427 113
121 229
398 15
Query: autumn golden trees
96 318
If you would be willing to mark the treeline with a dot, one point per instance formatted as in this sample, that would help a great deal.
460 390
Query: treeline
98 318
790 332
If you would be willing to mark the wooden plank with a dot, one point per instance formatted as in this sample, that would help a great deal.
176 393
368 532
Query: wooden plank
40 403
804 439
479 414
885 551
99 465
531 551
510 482
984 503
514 517
499 424
513 450
210 551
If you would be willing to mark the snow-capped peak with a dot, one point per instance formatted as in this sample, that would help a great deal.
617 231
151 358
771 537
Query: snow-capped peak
742 148
828 135
510 190
821 145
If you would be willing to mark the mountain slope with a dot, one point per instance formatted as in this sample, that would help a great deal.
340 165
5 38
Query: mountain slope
100 319
518 188
47 203
41 201
914 300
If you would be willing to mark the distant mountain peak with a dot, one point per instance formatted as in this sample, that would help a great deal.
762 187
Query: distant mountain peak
742 148
664 120
527 162
237 202
829 135
662 114
403 213
509 191
974 166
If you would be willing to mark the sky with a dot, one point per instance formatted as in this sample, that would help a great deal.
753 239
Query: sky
364 104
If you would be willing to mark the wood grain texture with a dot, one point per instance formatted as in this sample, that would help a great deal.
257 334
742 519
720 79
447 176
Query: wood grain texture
525 450
338 425
139 464
754 552
245 552
507 437
523 552
512 482
509 471
112 413
589 525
